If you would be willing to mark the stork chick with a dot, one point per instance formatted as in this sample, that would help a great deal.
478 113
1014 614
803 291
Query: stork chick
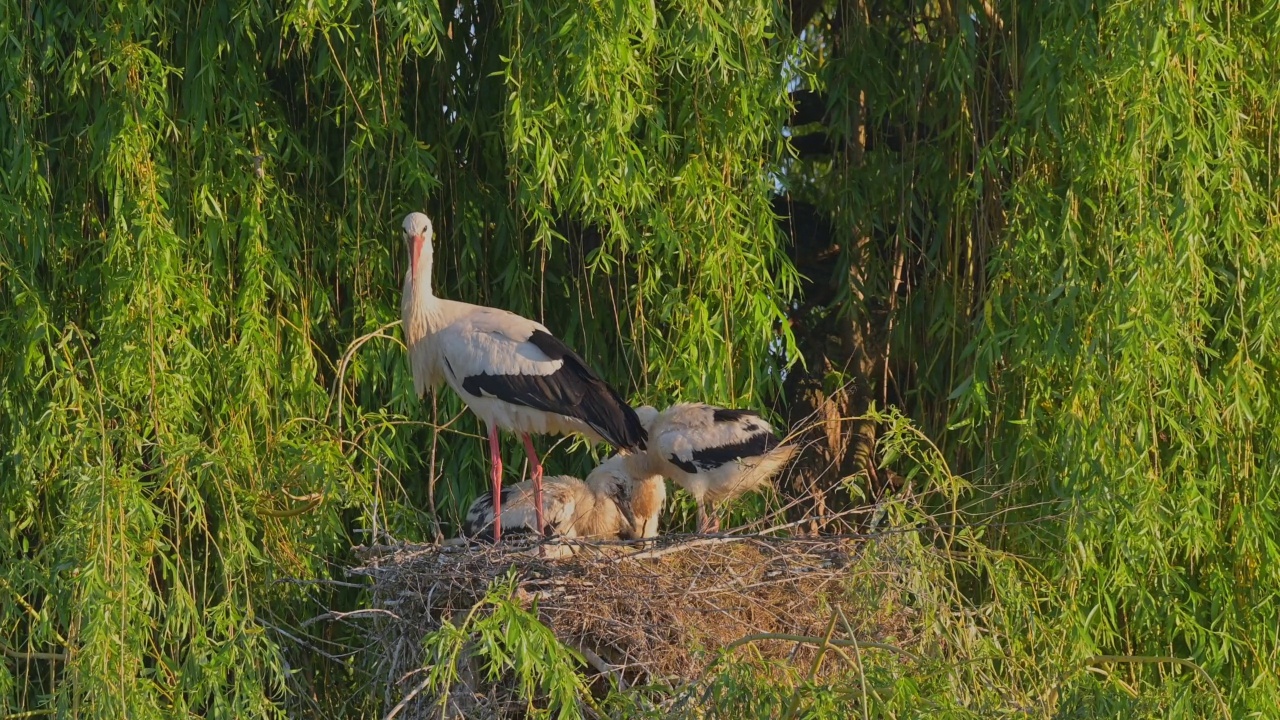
615 503
511 371
714 453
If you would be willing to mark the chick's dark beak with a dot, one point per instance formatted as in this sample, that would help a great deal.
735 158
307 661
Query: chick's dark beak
630 517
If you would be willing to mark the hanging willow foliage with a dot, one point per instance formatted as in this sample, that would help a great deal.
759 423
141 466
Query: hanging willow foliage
1125 371
202 203
1056 225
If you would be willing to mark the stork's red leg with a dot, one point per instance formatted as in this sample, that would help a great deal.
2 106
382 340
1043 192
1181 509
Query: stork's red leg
708 520
495 471
537 479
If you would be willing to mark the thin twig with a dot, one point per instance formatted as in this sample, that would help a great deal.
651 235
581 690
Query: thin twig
405 701
336 615
862 675
32 654
343 73
701 542
810 640
349 354
310 502
600 664
431 480
31 611
340 659
338 583
794 703
1156 660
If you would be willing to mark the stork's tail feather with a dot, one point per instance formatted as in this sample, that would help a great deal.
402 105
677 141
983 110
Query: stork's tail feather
616 421
609 415
778 458
598 404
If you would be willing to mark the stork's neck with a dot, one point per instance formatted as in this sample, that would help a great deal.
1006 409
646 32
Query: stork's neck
422 278
634 465
640 463
422 314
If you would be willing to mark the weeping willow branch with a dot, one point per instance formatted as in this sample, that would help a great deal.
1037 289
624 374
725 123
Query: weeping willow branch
817 641
32 654
1147 660
309 503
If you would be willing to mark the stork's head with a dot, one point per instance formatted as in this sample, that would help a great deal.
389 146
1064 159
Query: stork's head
417 238
647 414
613 479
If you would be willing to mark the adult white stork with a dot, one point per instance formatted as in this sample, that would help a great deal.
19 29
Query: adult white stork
619 500
511 371
714 453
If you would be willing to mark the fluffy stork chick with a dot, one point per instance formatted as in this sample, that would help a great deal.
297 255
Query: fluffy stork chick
511 371
714 453
615 503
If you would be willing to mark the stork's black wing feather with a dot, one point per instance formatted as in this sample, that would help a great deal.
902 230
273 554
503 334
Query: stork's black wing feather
726 415
759 442
572 390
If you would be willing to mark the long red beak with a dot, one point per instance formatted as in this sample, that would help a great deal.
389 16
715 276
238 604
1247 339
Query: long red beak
416 251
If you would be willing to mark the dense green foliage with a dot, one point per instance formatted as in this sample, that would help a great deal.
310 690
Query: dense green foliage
202 204
1055 223
504 638
1126 361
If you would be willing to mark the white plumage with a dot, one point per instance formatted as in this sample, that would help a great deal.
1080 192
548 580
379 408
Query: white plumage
615 502
714 453
511 371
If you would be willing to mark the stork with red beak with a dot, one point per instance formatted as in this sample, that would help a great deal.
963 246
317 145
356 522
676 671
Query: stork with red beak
511 371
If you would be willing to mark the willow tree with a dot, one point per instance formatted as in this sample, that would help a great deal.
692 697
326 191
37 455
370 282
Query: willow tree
1126 362
894 201
1048 230
201 203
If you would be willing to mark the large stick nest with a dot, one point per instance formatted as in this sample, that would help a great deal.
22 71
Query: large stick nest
638 615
